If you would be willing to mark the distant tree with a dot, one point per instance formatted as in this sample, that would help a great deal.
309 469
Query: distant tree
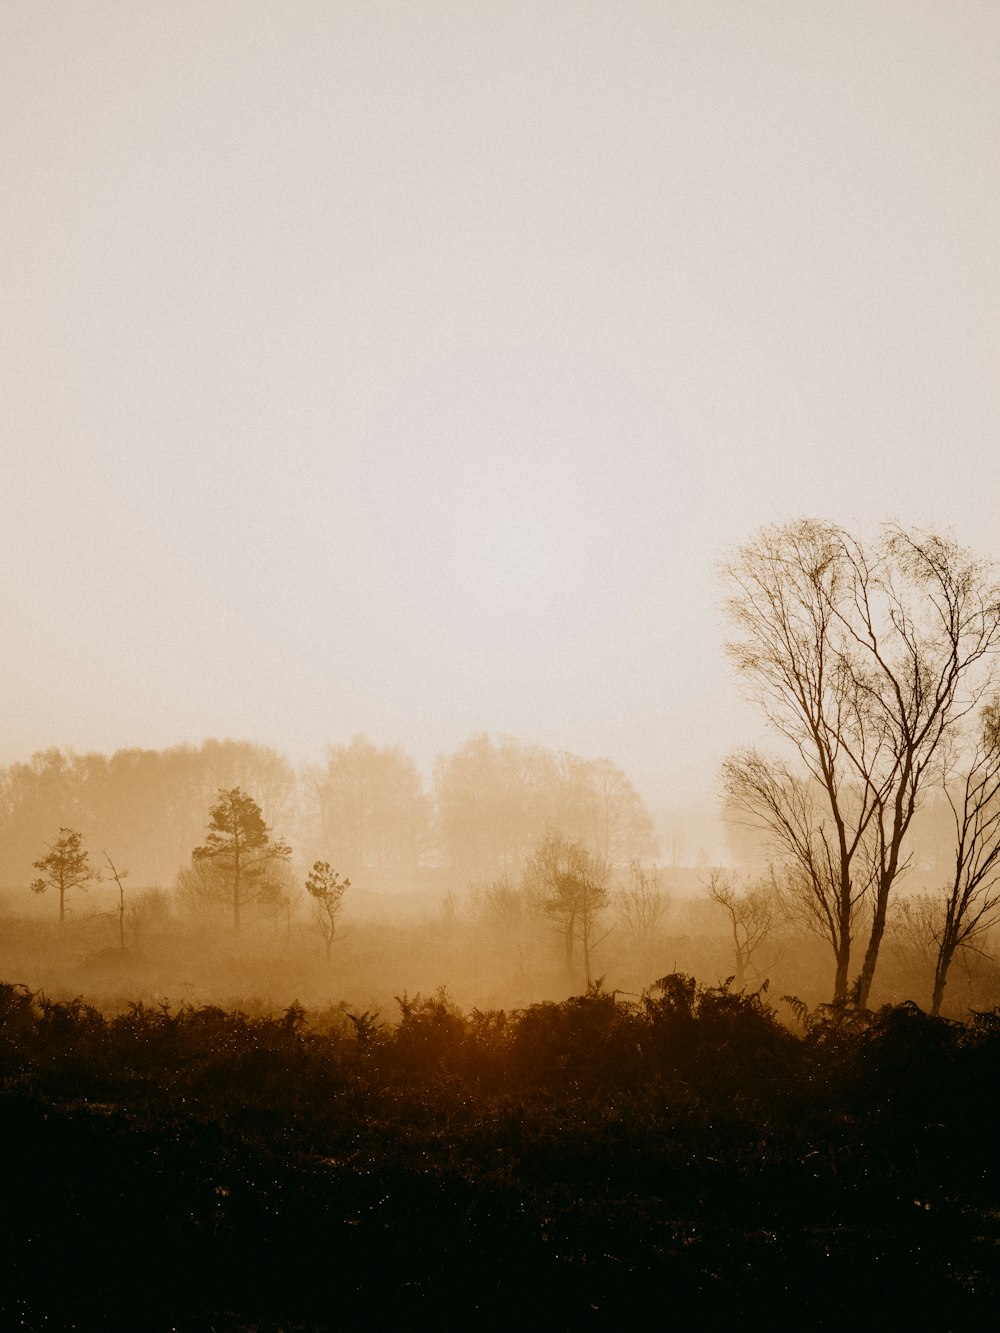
570 885
119 875
599 805
368 810
865 658
501 902
240 851
148 804
752 912
491 805
65 867
149 906
497 798
326 889
640 908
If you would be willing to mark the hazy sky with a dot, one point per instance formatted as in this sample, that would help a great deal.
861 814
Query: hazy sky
407 368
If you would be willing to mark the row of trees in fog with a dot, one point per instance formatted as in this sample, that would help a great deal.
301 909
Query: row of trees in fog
365 810
872 664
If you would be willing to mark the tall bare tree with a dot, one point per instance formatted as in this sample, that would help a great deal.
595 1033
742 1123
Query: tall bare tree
119 876
865 658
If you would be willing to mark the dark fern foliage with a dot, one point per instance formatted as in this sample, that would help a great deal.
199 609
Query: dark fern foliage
568 1165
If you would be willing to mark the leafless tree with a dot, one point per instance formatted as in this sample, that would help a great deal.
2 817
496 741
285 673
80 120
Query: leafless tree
972 898
640 908
865 659
118 876
501 902
752 913
146 907
571 887
912 930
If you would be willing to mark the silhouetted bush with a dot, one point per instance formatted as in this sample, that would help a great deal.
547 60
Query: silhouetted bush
570 1165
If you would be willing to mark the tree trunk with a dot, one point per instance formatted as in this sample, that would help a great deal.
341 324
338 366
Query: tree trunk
842 953
866 976
842 931
945 954
739 979
236 885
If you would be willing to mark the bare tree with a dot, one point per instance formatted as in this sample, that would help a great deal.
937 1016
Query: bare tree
911 931
501 902
972 899
640 908
752 913
865 660
119 875
571 887
146 907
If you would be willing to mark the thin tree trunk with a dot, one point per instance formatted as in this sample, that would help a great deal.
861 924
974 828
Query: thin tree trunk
236 884
945 955
842 948
866 976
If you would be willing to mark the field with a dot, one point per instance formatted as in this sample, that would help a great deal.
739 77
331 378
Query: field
682 1158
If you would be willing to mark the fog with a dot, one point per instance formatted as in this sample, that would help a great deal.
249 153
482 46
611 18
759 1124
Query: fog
448 885
500 749
408 371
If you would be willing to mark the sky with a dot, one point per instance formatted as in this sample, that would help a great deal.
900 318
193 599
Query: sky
409 369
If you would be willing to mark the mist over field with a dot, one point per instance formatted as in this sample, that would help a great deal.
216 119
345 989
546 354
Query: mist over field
500 735
451 883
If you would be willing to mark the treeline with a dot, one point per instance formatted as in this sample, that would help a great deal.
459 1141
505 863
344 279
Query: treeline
366 809
570 1165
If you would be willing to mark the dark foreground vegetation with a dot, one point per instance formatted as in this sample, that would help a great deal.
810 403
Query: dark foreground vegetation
681 1159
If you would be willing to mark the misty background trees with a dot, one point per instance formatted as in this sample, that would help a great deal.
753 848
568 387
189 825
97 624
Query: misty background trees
366 810
870 827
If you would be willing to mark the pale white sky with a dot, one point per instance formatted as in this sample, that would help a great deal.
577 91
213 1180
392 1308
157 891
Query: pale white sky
407 368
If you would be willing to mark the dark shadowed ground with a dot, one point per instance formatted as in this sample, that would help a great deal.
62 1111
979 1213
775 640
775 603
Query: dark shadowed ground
683 1161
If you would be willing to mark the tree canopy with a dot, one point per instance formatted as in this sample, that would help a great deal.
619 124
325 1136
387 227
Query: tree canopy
241 851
